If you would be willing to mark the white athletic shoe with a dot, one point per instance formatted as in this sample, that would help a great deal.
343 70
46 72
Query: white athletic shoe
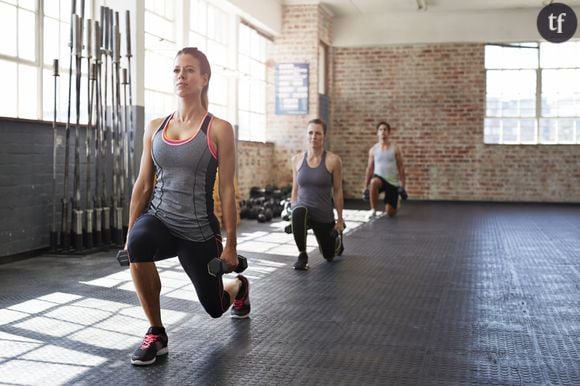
373 214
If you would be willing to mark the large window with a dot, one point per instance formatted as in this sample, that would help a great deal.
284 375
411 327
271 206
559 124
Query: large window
533 93
252 84
208 31
19 62
160 50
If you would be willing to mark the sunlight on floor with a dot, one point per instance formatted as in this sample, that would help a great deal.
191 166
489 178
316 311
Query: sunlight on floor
85 322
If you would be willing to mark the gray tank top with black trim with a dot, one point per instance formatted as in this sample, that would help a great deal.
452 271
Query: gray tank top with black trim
315 190
185 175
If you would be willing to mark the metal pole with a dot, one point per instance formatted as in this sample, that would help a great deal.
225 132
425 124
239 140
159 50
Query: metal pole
88 231
77 230
54 236
65 225
97 235
131 133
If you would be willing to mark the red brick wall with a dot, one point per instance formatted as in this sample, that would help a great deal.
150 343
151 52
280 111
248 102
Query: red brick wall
254 166
434 96
302 28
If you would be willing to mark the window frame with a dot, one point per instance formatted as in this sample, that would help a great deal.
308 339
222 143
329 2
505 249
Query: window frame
539 115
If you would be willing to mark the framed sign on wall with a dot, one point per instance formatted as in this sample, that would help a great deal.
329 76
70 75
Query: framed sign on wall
291 88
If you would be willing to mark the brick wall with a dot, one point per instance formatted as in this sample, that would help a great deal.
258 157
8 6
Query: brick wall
254 166
303 26
434 96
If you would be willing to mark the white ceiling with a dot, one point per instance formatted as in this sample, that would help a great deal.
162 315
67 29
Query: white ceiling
351 8
381 22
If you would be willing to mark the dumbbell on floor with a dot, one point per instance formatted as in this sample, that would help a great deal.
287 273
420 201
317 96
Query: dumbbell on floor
217 266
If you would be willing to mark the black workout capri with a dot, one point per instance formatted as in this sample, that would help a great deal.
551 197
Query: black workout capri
150 240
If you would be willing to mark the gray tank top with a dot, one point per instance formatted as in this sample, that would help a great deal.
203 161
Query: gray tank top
185 172
315 190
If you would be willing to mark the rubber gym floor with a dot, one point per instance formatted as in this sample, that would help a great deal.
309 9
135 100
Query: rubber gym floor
443 294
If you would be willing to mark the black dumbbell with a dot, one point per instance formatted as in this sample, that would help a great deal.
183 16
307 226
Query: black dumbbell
217 266
403 193
123 257
365 195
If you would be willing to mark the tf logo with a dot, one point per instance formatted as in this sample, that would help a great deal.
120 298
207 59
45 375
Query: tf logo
557 22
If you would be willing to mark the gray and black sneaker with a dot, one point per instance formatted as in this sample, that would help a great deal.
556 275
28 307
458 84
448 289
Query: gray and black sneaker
241 307
302 263
154 345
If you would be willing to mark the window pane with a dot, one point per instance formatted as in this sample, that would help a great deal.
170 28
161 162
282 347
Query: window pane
548 130
560 55
51 9
27 91
244 40
7 28
50 37
511 57
511 93
244 94
48 97
245 130
159 26
158 72
528 131
217 24
216 53
65 10
566 131
26 35
27 4
198 19
244 65
199 41
218 90
560 94
492 131
64 49
8 78
218 110
258 70
510 131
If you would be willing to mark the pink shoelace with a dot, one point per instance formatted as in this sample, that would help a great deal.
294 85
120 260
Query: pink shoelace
149 340
239 303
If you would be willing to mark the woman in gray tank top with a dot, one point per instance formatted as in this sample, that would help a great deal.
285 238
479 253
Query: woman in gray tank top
171 211
316 191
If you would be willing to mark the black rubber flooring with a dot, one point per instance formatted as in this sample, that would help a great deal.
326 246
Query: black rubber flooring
444 294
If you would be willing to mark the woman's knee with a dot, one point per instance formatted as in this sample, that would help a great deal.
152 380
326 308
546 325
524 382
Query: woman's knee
215 309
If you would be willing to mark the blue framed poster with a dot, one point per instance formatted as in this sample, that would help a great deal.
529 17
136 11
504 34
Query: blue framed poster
291 89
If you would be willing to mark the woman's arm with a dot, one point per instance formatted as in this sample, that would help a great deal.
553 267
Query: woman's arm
223 137
338 196
143 186
294 194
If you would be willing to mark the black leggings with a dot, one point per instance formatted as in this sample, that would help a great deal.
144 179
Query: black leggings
150 240
324 232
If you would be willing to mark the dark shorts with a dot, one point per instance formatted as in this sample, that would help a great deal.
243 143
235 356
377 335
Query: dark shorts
391 192
150 240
